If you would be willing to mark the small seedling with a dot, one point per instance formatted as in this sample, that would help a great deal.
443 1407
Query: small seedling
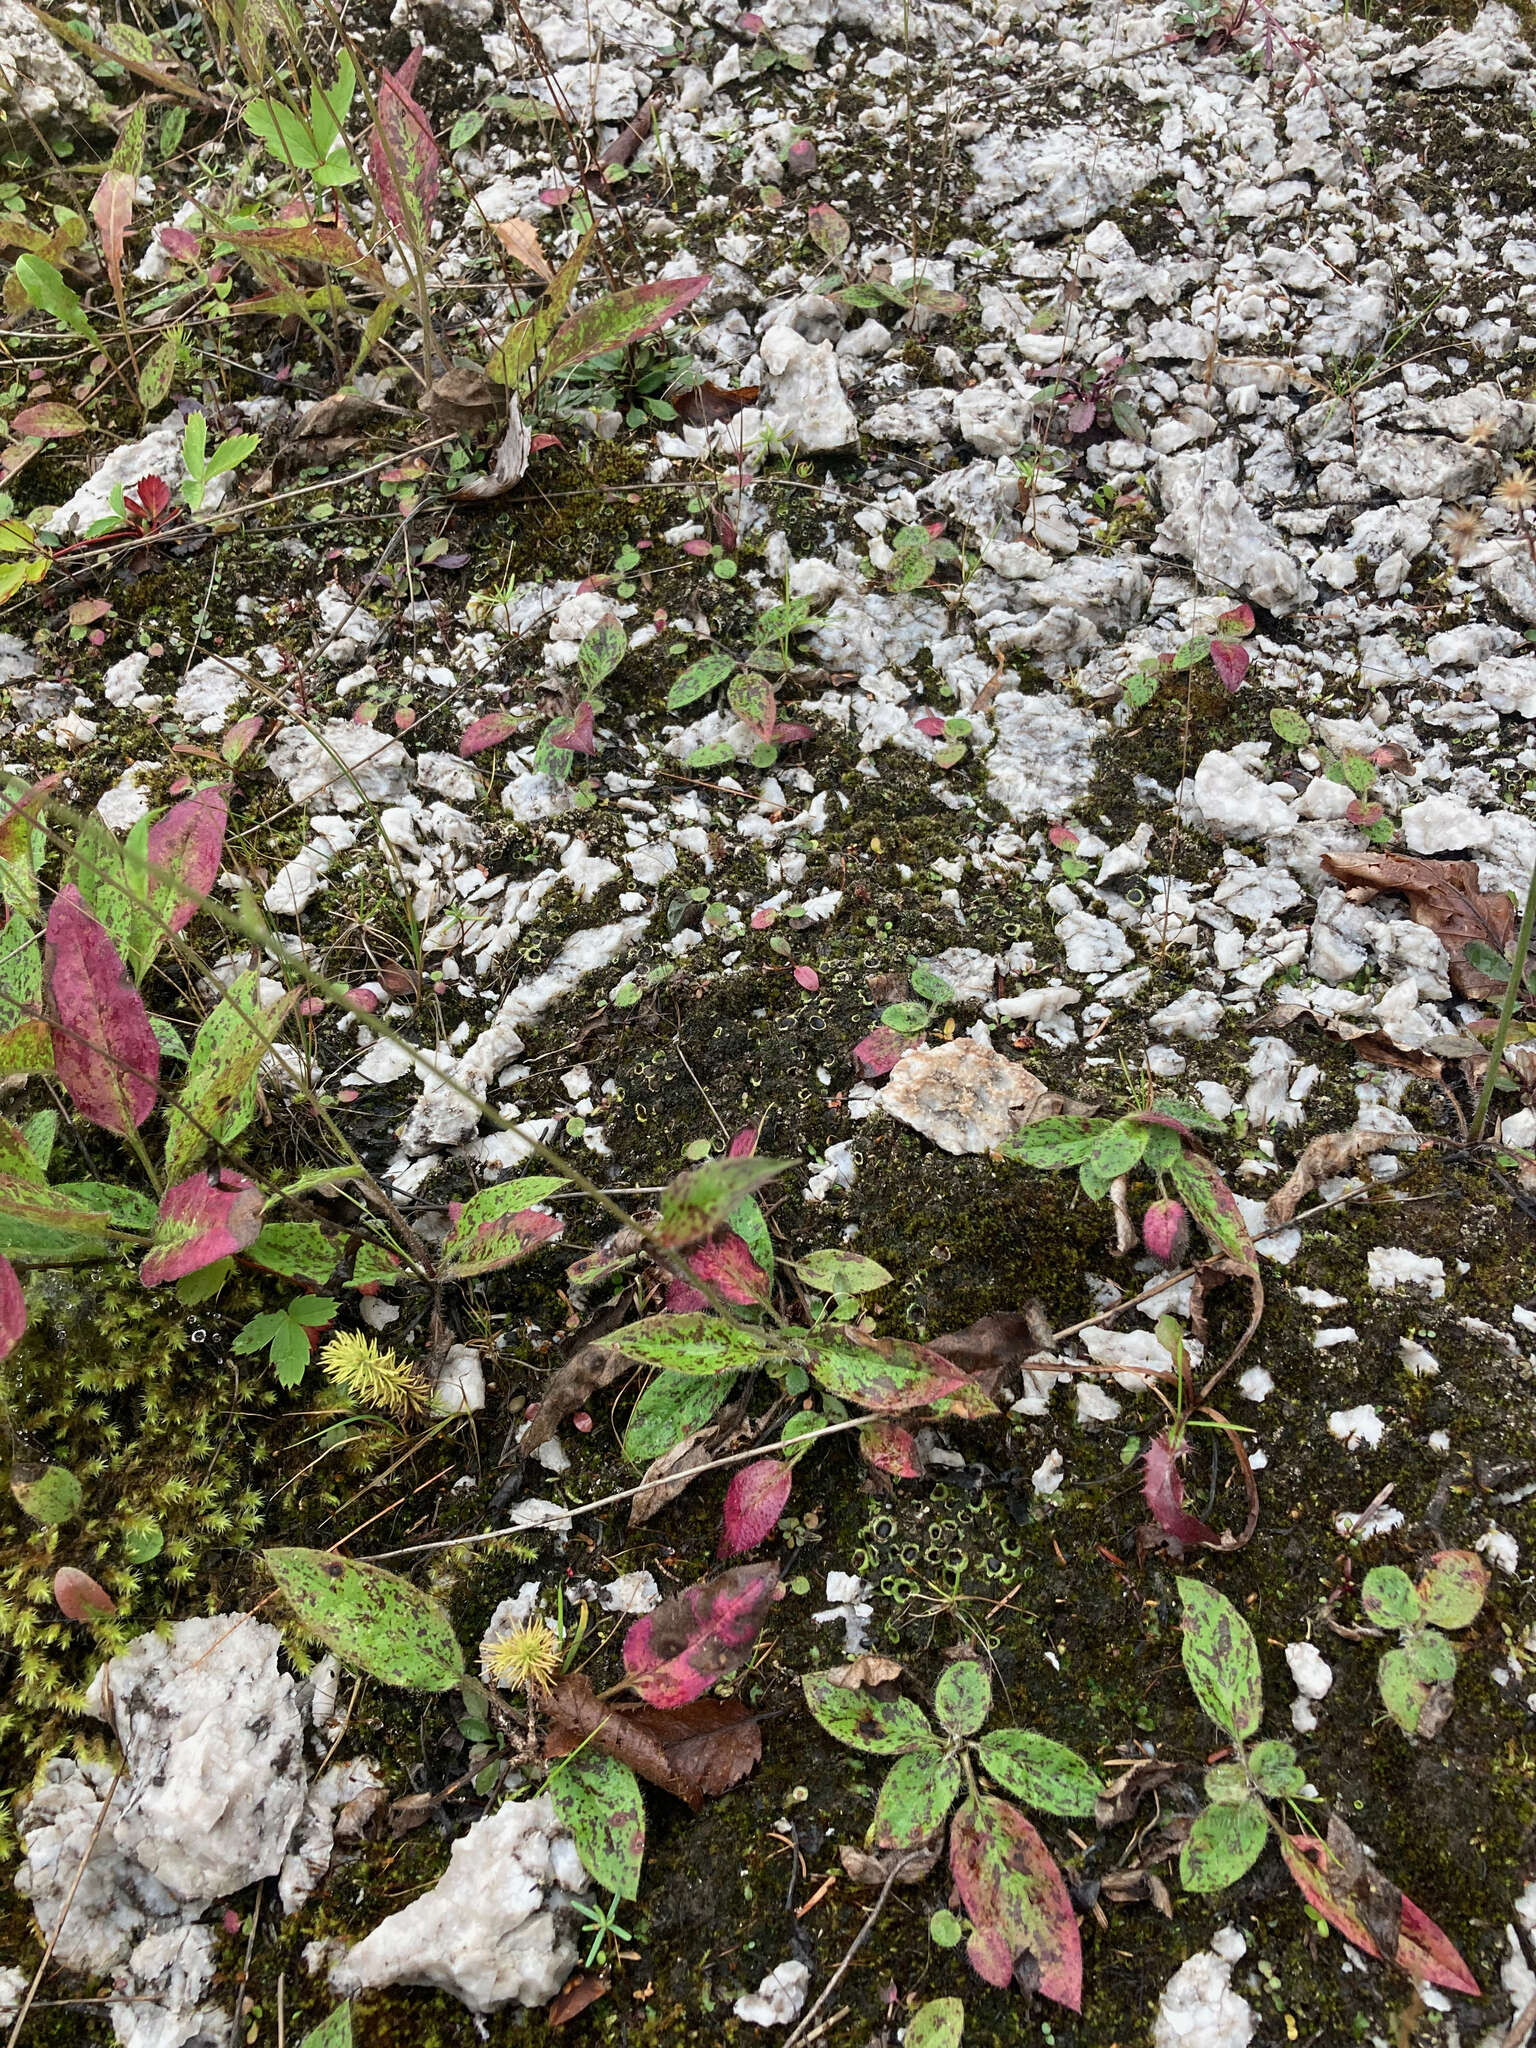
201 467
1417 1679
1223 649
604 1921
1008 1881
285 1335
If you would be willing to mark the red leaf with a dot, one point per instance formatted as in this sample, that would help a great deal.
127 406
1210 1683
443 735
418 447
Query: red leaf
241 737
46 421
1423 1949
179 242
112 211
808 978
1063 836
1017 1900
1163 1490
1165 1232
105 1051
402 155
1230 660
754 1501
891 1377
152 494
744 1144
184 851
78 1596
785 734
930 727
490 731
13 1309
690 1642
211 1215
890 1448
574 734
1237 622
724 1263
879 1052
696 547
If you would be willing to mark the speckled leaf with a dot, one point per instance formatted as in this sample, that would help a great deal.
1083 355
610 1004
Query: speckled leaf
699 1636
104 1047
218 1095
1116 1149
859 1719
1044 1774
183 852
617 319
1430 1656
1275 1770
600 652
210 1215
494 730
838 1272
1224 1843
296 1251
829 230
1221 1660
889 1448
915 1799
891 1376
938 2024
697 1202
1421 1948
751 698
334 2031
672 1407
724 1264
1214 1207
700 677
692 1343
499 1226
962 1699
38 1223
26 1046
746 1219
23 845
599 1800
1053 1142
1453 1588
1403 1694
754 1501
49 1494
13 1309
375 1621
1016 1898
1389 1598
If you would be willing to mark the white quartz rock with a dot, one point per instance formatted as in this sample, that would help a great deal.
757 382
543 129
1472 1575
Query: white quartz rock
493 1929
1389 1267
1042 761
345 764
39 81
1199 2008
1218 531
210 690
778 1999
214 1747
1445 824
964 1096
1232 801
805 400
116 1901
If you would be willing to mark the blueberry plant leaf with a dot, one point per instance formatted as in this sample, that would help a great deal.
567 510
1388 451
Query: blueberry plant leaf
296 1251
49 1494
1044 1774
104 1047
699 1636
499 1226
962 1699
374 1620
1214 1207
599 1800
1336 1880
938 2024
841 1273
888 1447
755 1499
862 1721
210 1215
1052 1142
1221 1660
1017 1900
26 1046
672 1407
1163 1490
13 1309
218 1092
1275 1771
913 1802
1404 1693
1224 1844
183 851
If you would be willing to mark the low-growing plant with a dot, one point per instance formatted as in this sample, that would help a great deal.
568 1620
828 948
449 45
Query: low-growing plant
745 678
1334 1874
1223 649
1008 1882
1417 1680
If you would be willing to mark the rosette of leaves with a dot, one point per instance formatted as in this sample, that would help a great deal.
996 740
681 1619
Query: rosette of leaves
1007 1880
1223 649
1417 1679
1333 1873
748 682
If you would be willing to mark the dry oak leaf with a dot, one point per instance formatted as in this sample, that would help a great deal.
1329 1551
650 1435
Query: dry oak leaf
1445 895
1334 1152
461 400
865 1673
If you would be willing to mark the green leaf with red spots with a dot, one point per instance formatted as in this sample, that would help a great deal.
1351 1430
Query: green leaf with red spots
1221 1660
918 1792
891 1376
374 1620
1017 1901
598 1798
861 1720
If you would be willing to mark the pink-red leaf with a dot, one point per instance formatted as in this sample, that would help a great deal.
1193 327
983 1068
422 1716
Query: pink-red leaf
1423 1949
1230 660
491 731
754 1501
808 979
184 851
878 1053
78 1596
48 420
210 1215
403 158
13 1309
1163 1490
744 1144
1165 1232
574 734
112 211
692 1641
891 1376
724 1263
890 1448
1017 1900
104 1047
1236 622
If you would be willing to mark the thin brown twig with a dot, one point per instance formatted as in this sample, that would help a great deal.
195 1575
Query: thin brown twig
837 1976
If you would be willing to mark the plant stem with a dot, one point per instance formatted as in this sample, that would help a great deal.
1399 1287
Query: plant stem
1512 992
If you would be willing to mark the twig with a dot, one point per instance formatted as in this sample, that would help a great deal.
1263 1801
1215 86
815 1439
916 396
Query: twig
837 1976
58 1925
1522 2025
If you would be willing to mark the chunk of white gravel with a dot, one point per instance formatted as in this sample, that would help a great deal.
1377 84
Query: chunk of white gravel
1390 1267
1357 1429
1199 2008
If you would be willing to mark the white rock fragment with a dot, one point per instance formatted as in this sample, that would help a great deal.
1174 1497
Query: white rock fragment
849 1600
805 400
459 1387
1390 1267
1357 1428
631 1593
40 82
1048 1475
1199 2008
1312 1675
1500 1549
494 1929
964 1096
778 1999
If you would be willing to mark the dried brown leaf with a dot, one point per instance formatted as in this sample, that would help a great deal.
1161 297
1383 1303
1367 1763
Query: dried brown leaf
1445 895
1116 1804
511 461
461 401
520 239
910 1865
593 1368
705 404
338 414
1333 1153
694 1752
865 1673
578 1992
